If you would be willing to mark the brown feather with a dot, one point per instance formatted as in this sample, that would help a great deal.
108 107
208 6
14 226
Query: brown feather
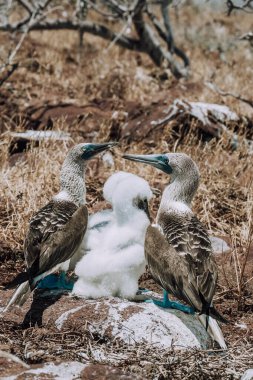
55 233
177 273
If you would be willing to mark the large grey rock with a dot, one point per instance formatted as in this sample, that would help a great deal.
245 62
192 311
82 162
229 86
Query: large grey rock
248 375
60 371
133 323
69 371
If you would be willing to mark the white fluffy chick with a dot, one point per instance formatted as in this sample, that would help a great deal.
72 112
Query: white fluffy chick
98 221
115 241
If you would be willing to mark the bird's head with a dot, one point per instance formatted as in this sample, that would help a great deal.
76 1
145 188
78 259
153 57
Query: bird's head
175 164
112 183
130 197
86 151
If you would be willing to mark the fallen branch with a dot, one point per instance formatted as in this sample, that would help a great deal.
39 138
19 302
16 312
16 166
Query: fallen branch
216 89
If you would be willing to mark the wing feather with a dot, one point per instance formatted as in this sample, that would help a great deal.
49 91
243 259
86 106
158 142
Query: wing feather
179 274
190 240
55 233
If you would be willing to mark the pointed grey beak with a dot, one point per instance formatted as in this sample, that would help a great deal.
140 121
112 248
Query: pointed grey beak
91 150
97 148
159 161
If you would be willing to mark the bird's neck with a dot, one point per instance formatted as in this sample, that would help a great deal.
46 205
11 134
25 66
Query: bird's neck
72 181
180 189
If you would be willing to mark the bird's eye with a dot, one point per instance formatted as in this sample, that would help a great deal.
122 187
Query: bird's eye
140 204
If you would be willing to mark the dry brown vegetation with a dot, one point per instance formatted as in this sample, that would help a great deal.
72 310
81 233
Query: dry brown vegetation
54 70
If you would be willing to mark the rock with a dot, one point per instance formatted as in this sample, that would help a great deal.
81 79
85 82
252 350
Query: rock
10 364
130 323
219 245
248 375
133 323
61 371
106 372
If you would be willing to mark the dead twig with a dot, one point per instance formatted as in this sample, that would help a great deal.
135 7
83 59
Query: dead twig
5 77
216 89
243 7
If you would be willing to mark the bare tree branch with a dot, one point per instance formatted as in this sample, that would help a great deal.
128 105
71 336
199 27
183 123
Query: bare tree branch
163 35
28 7
151 44
247 37
244 7
9 73
99 11
86 26
132 12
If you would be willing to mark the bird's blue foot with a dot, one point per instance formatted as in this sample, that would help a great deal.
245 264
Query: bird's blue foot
167 304
174 305
54 281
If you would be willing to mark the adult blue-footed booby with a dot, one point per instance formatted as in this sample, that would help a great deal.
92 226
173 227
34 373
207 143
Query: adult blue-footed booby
115 241
57 229
177 249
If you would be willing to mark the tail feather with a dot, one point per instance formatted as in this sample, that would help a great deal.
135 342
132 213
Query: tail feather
209 309
19 279
20 295
213 330
216 315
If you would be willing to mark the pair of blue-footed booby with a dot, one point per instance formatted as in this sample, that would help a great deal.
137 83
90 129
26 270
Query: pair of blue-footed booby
177 249
114 242
57 229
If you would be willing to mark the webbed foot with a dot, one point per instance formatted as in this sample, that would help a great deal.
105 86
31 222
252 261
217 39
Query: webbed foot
54 281
174 305
167 304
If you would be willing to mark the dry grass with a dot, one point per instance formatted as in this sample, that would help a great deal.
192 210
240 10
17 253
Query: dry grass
54 70
148 361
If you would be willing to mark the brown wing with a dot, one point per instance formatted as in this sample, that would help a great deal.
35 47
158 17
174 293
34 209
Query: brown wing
186 233
190 239
177 273
55 233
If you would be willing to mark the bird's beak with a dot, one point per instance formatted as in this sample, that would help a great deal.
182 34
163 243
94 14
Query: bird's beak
146 209
91 150
159 161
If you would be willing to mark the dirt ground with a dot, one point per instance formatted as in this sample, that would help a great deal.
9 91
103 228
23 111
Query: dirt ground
100 95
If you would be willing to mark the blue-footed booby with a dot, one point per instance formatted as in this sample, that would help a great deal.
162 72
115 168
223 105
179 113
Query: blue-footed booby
115 242
57 229
177 249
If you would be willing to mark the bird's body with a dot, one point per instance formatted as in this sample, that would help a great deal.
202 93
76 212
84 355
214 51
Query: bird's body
177 249
114 258
57 229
